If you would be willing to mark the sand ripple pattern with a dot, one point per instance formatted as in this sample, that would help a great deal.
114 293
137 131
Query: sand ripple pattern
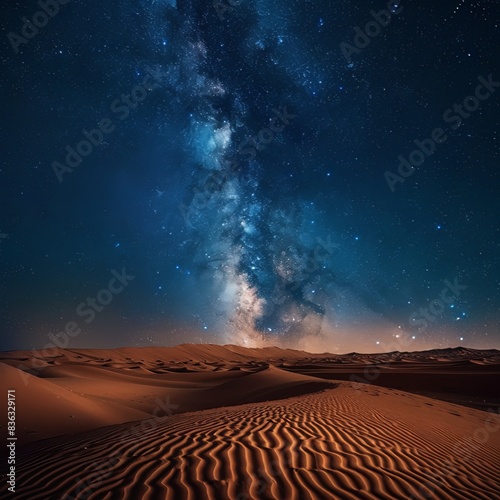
342 443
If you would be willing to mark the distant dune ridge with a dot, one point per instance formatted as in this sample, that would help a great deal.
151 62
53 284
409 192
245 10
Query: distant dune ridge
228 422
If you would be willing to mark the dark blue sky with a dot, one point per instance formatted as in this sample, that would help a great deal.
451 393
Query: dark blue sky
240 166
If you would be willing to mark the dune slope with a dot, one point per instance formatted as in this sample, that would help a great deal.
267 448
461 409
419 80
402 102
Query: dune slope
44 409
351 442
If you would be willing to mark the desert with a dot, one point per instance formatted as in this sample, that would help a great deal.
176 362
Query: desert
229 422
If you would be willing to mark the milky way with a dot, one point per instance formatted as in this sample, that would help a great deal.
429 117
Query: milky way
248 190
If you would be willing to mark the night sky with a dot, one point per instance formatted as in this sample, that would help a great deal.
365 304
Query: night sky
227 172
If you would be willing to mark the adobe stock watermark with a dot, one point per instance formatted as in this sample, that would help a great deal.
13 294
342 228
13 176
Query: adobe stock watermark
453 116
95 137
40 19
222 7
426 315
249 148
363 38
87 310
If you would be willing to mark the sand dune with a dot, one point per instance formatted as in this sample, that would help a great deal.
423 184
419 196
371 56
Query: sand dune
45 409
225 422
351 442
270 383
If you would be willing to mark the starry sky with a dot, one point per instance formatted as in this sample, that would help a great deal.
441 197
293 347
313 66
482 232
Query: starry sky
318 175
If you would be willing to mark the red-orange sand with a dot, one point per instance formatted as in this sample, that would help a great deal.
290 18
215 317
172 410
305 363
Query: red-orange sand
225 422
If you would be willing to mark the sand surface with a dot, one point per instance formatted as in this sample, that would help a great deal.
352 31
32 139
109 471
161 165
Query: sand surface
226 422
